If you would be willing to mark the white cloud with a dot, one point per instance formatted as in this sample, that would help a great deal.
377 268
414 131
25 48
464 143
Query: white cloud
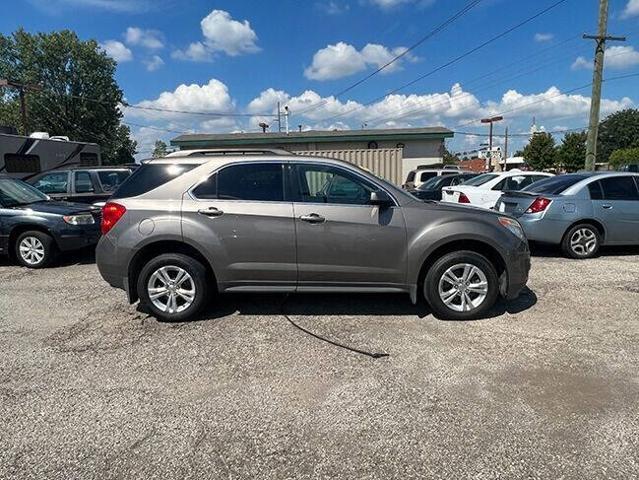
117 51
211 97
341 60
153 63
332 7
544 37
617 58
551 104
632 9
151 39
196 52
581 63
389 4
118 6
221 34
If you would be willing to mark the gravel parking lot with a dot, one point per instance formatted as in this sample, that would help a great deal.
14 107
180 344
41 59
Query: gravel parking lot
548 387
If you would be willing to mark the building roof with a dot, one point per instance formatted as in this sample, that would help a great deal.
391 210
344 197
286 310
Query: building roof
220 139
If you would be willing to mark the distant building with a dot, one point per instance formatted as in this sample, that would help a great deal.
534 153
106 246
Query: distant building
418 146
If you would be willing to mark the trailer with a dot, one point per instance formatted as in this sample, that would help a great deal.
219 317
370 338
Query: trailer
24 157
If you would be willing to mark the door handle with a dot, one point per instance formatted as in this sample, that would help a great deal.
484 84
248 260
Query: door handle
313 218
211 212
607 206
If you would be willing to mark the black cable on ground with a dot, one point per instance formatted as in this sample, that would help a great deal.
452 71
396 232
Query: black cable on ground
328 340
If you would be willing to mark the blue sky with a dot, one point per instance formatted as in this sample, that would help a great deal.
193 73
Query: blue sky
240 57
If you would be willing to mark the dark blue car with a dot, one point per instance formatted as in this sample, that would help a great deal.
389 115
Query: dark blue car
34 228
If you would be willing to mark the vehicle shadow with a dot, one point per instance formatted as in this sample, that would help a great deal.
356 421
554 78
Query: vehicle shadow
554 251
84 256
340 304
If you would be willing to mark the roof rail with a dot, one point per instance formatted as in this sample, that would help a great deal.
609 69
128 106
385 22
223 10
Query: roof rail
213 152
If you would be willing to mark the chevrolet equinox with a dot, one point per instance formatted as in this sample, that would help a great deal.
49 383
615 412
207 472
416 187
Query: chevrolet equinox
198 222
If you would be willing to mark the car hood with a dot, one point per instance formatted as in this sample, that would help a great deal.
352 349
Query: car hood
59 208
455 208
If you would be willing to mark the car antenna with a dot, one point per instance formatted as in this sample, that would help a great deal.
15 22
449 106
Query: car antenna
374 355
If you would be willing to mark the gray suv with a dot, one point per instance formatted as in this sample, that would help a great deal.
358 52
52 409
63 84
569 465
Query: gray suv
183 227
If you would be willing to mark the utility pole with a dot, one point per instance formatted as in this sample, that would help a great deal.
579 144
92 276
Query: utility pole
22 89
505 167
490 141
279 118
597 79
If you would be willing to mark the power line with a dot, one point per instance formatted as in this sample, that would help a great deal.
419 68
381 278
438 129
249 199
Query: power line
455 60
469 6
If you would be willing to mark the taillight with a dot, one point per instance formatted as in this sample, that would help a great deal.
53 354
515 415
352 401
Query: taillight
111 213
539 205
463 198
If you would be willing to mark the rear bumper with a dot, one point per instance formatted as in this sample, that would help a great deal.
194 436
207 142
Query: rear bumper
109 266
544 230
517 271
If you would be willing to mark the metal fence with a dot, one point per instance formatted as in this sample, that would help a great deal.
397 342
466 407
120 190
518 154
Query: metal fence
383 162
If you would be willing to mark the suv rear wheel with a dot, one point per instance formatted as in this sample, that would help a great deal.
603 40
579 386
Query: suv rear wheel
173 287
34 249
461 286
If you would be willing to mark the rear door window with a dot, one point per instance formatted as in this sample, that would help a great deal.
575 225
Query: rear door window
83 182
426 175
619 188
262 182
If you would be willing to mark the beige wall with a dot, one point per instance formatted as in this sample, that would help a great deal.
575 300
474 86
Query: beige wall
383 162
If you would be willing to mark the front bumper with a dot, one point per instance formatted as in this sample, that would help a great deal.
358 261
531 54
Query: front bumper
74 238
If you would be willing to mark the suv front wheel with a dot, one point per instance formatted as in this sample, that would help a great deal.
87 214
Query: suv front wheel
173 287
461 286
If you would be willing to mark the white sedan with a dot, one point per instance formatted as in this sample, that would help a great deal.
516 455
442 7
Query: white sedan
484 191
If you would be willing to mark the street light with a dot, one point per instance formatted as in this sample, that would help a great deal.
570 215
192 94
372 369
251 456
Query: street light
490 141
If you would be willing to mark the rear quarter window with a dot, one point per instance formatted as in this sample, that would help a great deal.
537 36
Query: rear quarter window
149 177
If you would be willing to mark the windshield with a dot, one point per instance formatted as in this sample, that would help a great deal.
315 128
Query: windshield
14 193
481 179
554 185
431 183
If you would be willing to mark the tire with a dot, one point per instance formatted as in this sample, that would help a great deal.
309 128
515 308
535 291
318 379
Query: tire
35 249
581 241
456 301
165 273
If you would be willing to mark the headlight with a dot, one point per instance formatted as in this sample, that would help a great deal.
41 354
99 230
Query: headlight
85 219
513 226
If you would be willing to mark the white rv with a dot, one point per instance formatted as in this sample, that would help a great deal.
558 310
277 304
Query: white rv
23 157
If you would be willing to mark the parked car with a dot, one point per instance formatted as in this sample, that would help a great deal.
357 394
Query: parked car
633 167
484 190
84 185
415 178
581 211
34 228
432 189
183 227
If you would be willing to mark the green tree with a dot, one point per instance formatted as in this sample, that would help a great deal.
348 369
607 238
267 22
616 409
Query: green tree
541 152
159 149
624 156
571 154
448 158
74 94
618 131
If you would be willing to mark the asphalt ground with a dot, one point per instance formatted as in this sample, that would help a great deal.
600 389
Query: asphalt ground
546 387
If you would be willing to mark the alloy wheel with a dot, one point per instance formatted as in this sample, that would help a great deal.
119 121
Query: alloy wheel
583 241
171 289
31 250
463 287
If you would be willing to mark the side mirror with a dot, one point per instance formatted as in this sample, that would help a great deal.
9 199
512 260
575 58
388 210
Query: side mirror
381 198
